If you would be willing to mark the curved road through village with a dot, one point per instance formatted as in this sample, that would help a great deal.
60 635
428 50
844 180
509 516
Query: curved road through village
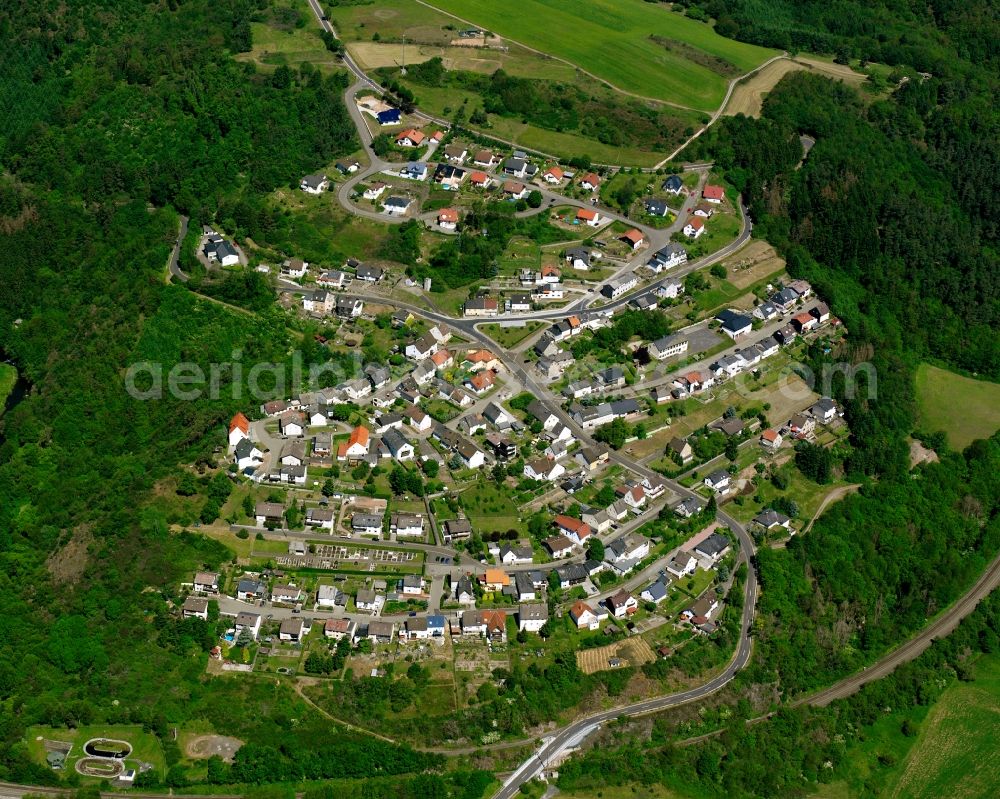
574 733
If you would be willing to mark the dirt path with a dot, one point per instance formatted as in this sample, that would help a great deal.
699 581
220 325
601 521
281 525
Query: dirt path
834 496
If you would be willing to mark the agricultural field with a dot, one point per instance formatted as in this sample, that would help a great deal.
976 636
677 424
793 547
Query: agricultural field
754 262
633 651
748 96
937 390
686 64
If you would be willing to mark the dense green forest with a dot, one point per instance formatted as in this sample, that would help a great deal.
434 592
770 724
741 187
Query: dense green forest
126 113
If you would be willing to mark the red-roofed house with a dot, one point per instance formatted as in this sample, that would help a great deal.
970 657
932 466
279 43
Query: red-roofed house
713 194
770 438
480 180
239 428
633 238
515 189
410 138
574 529
588 216
356 445
481 382
590 182
804 321
481 359
553 175
448 218
583 616
695 227
442 359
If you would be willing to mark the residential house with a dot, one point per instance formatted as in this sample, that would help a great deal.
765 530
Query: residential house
694 227
447 219
464 592
399 448
288 594
518 303
719 481
515 167
590 182
314 184
396 206
449 177
412 585
735 325
579 257
340 628
532 617
714 547
583 616
367 600
622 604
269 513
239 429
206 582
543 469
670 256
656 207
592 458
247 456
480 180
422 348
559 546
481 306
576 530
294 268
771 439
247 622
515 190
820 312
804 322
769 519
824 410
369 273
390 116
689 507
291 630
485 158
195 607
410 138
481 382
629 547
320 517
221 251
682 564
366 523
673 184
375 190
553 175
801 425
655 592
589 216
495 580
407 525
250 590
456 153
510 555
713 194
381 632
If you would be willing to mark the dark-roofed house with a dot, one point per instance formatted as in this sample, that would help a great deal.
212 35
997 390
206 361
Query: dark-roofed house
531 618
713 547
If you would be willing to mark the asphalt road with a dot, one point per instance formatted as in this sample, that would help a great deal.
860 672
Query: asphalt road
173 265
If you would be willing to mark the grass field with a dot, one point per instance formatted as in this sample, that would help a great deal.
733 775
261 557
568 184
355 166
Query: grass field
939 391
508 337
611 39
748 96
955 752
281 42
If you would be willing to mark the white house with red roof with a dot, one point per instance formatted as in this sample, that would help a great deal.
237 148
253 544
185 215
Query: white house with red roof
713 194
576 530
553 175
695 227
239 428
410 138
356 446
591 182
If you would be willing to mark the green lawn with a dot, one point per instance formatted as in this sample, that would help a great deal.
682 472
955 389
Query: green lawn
941 393
508 337
611 39
8 377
